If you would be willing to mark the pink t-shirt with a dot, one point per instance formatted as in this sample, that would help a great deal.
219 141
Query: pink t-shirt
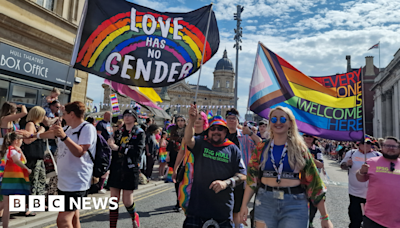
383 203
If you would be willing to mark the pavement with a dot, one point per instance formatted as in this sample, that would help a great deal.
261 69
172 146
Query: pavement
48 216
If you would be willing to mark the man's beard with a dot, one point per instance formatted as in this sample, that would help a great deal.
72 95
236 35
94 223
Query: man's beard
390 157
221 140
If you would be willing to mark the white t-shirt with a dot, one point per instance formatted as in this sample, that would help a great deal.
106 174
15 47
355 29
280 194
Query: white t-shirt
74 173
356 188
13 152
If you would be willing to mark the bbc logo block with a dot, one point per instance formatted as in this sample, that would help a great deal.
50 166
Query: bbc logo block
36 203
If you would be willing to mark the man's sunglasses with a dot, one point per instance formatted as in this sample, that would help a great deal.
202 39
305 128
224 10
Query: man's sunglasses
282 119
219 128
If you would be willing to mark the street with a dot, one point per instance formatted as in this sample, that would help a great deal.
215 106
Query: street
155 206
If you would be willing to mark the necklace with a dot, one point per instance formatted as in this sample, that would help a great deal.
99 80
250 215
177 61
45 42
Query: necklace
278 171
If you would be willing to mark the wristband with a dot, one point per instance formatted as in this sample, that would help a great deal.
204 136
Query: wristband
325 217
63 139
38 135
251 133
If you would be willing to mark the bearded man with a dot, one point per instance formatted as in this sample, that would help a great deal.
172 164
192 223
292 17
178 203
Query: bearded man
383 173
218 168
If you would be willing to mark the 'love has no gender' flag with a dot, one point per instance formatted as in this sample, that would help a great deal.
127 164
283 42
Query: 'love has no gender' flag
135 45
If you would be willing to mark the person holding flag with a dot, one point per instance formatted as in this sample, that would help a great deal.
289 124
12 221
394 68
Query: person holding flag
218 168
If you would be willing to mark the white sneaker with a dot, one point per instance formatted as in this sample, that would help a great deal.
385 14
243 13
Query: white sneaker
103 191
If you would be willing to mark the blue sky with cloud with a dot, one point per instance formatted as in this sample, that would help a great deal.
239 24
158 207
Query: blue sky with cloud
313 35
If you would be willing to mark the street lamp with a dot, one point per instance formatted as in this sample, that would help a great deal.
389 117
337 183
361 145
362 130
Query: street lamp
237 38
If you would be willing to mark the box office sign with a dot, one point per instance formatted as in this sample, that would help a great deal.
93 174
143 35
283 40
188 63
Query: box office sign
22 62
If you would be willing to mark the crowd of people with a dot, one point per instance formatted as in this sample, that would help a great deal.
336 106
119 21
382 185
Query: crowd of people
217 166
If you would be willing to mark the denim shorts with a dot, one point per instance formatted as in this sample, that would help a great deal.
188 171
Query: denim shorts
292 211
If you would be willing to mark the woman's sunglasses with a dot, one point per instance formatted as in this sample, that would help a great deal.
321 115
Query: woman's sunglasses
282 119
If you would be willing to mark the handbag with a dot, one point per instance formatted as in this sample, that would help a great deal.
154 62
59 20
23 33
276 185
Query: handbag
49 162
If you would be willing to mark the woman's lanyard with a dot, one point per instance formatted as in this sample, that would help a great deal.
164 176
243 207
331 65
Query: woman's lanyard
279 170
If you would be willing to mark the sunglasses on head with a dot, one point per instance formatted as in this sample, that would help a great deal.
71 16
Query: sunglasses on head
218 127
282 119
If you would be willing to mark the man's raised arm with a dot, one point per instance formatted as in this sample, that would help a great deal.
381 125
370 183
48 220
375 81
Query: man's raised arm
189 130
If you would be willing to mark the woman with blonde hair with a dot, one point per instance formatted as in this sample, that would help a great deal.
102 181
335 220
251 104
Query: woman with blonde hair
34 149
283 174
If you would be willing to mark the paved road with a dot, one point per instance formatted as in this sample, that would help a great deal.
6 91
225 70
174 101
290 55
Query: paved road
337 198
155 204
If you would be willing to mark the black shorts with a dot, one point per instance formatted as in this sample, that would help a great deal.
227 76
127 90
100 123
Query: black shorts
123 179
238 193
74 195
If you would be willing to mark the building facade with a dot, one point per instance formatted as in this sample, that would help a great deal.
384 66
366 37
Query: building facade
36 44
387 103
178 97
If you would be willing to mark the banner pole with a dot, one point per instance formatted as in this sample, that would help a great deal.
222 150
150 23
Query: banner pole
202 55
363 109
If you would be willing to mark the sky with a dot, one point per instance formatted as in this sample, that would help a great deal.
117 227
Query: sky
313 35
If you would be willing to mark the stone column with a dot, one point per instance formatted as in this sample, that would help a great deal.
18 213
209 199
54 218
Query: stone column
383 115
376 113
389 115
395 110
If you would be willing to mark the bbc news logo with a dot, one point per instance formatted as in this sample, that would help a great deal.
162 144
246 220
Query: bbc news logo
57 203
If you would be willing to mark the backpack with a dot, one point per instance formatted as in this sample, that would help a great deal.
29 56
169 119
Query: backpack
102 159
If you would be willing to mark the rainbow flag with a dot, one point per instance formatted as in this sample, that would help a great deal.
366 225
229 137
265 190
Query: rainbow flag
114 102
169 174
138 46
210 114
328 107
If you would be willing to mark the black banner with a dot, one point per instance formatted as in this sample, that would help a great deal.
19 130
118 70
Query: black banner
135 45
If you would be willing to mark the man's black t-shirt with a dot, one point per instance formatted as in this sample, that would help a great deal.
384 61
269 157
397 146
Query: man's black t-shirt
233 137
105 128
213 163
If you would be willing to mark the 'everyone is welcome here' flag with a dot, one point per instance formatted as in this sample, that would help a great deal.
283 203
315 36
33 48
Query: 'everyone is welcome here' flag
135 45
328 107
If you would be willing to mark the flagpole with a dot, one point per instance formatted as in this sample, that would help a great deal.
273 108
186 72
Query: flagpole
379 44
202 55
363 110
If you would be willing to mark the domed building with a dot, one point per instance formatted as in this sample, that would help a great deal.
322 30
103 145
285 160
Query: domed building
219 98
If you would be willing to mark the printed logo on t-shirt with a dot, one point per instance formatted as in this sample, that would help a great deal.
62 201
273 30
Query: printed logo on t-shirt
381 169
217 156
125 140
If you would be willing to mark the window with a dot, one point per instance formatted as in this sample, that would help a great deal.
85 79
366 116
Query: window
3 91
227 84
219 111
48 4
25 95
63 98
218 84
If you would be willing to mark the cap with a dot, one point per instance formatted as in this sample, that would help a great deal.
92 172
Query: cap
217 120
262 122
132 112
